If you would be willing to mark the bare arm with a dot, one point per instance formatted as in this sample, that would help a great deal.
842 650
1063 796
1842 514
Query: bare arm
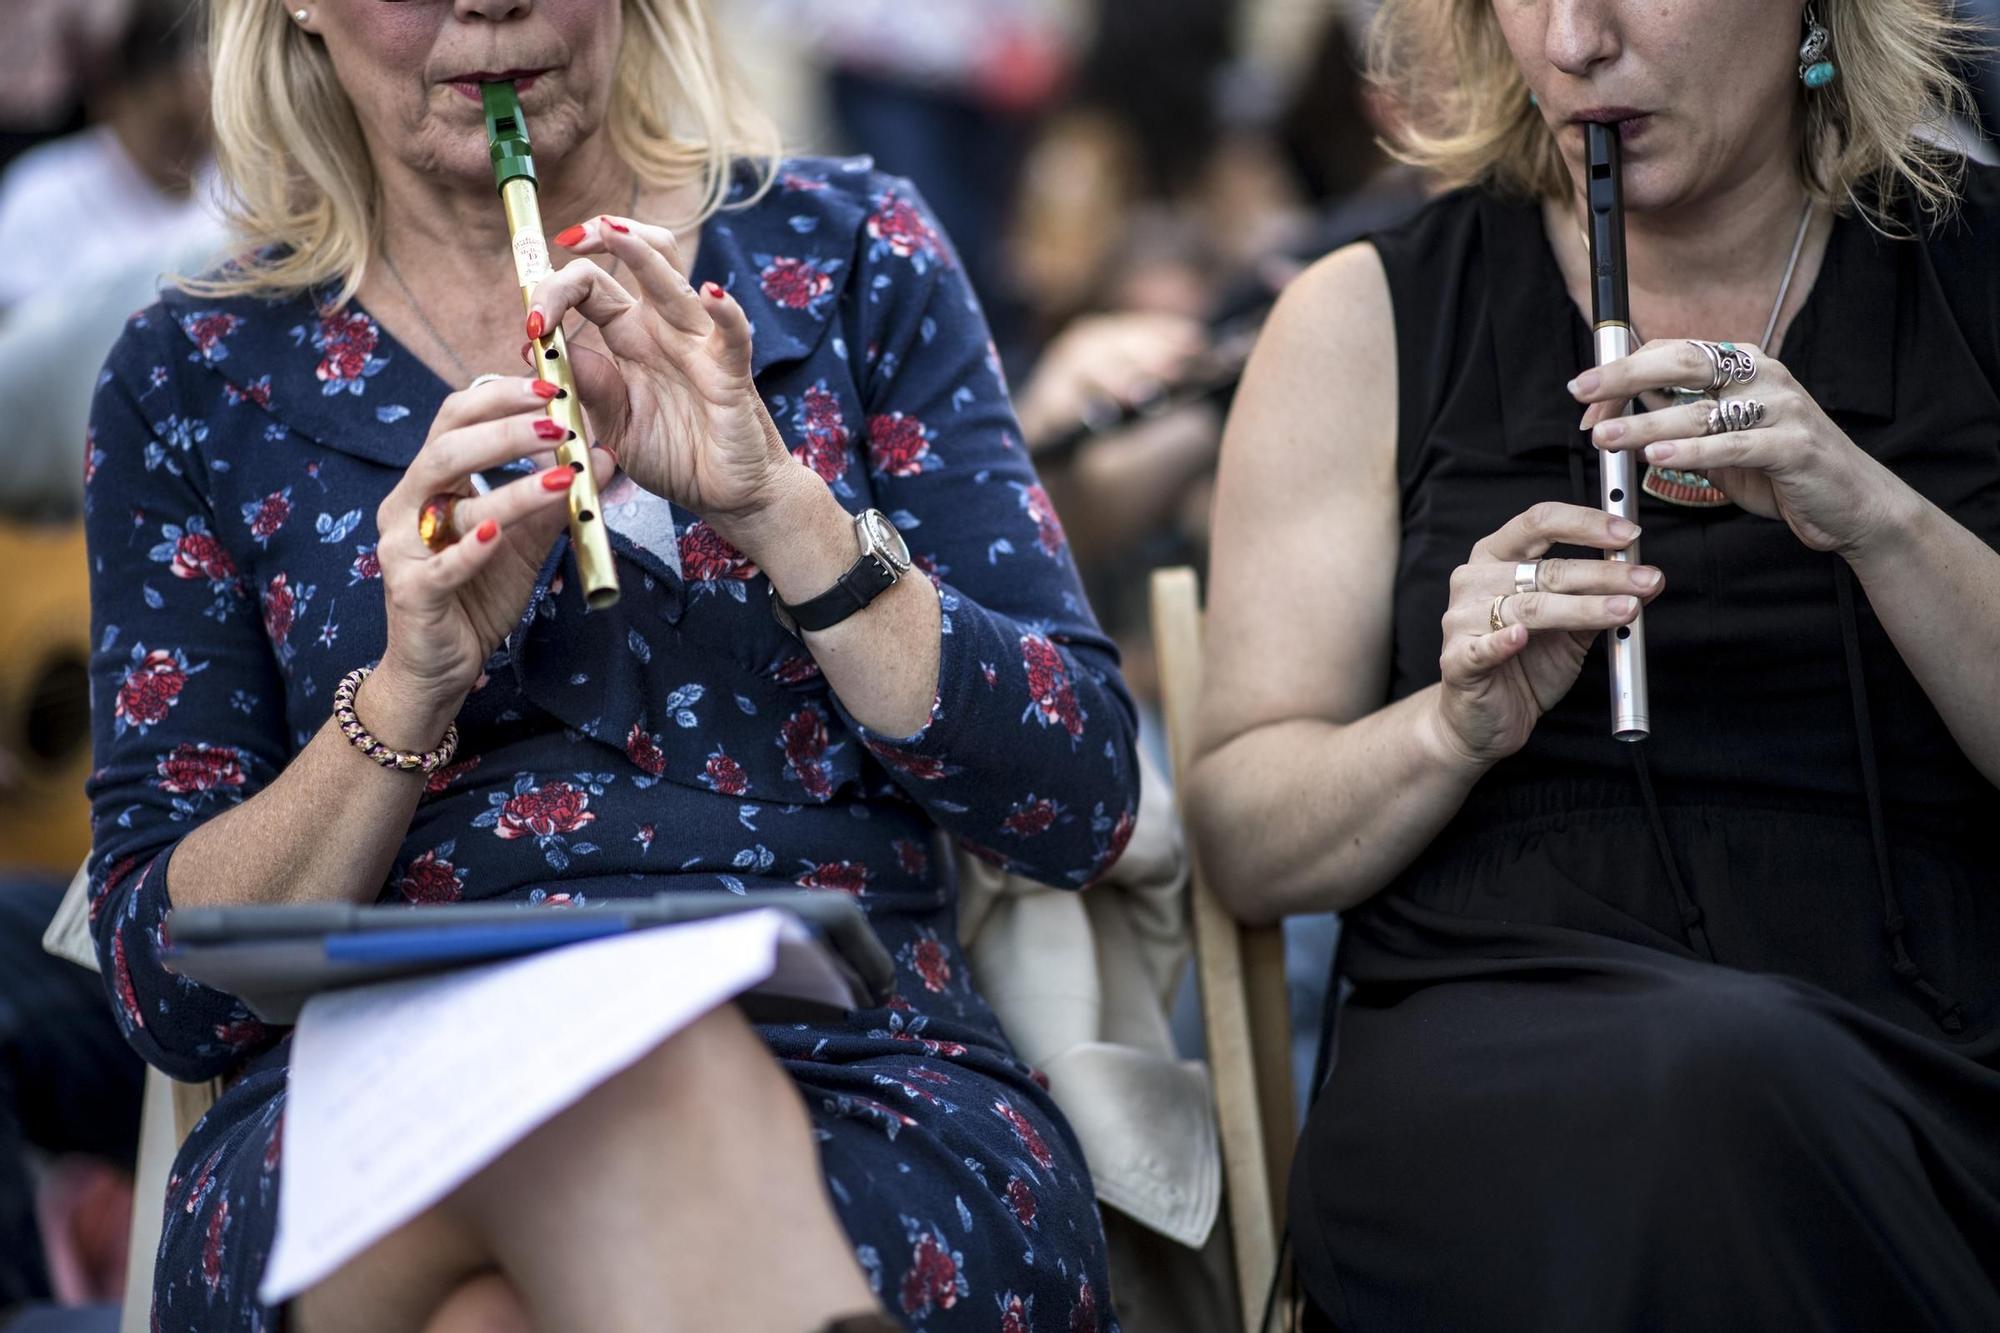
1308 794
1936 588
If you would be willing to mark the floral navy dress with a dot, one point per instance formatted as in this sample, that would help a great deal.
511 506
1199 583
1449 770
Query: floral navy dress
680 740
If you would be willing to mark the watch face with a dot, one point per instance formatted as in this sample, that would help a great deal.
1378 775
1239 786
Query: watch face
887 540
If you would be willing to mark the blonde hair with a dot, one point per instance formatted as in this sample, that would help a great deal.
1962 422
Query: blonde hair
301 196
1469 119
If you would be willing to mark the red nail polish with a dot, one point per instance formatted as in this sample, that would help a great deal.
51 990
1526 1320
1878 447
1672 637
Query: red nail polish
549 430
558 478
487 531
616 226
544 389
537 326
712 291
569 236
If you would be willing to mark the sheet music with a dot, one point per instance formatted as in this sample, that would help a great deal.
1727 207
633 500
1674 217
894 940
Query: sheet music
400 1092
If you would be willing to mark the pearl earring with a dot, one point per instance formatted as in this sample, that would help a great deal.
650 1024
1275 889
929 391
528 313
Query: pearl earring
1815 70
301 15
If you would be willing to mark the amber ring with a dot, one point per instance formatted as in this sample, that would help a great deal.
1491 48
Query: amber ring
434 523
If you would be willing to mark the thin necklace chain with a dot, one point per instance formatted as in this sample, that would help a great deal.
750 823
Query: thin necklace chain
416 307
1784 283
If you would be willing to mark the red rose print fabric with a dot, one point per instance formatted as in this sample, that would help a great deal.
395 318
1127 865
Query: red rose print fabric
238 454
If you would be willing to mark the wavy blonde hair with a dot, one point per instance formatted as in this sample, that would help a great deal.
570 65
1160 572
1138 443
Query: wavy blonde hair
1469 119
301 196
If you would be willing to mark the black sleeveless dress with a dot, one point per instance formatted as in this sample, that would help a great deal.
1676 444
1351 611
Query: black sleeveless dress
1702 1033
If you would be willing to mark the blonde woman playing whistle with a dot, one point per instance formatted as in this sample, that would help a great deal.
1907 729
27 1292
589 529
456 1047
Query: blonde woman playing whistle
1698 1033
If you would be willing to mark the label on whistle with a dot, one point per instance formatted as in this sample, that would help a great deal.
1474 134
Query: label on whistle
531 258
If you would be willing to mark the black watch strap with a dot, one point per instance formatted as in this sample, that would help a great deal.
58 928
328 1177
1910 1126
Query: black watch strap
865 580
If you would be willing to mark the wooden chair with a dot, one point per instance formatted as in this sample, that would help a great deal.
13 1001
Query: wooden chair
1241 973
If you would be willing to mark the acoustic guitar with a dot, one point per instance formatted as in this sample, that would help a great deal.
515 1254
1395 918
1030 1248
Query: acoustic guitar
44 697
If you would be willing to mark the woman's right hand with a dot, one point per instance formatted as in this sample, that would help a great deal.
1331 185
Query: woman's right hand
449 610
1498 683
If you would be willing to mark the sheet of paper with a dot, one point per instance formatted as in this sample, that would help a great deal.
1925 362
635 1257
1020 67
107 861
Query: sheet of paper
400 1092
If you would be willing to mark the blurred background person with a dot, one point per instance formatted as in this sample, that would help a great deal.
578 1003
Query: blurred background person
946 93
89 218
48 42
76 205
88 222
1185 182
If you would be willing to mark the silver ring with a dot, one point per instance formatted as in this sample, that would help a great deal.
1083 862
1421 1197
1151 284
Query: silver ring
1718 375
1732 414
1742 413
1739 364
1528 576
487 378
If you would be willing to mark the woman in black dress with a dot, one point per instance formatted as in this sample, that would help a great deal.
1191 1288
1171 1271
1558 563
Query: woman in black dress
1699 1033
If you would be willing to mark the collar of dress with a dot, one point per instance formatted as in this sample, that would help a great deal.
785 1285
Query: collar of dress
337 378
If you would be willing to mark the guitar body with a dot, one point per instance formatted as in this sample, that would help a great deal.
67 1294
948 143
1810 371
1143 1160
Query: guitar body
44 698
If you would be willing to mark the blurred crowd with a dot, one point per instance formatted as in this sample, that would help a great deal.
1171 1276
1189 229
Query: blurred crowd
1130 183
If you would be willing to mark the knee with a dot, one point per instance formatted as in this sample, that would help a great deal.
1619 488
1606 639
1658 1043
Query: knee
714 1082
716 1058
1726 1051
484 1304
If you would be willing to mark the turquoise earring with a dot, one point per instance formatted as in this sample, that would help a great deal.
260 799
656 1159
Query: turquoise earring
1815 70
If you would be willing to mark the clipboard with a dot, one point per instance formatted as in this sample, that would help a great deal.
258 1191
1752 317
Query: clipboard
276 958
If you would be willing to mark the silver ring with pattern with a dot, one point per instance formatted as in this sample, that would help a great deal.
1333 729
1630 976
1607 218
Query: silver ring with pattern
1732 414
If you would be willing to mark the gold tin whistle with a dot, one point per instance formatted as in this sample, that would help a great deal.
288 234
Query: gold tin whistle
514 174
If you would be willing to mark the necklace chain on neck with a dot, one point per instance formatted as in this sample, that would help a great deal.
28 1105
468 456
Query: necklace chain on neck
416 307
1784 283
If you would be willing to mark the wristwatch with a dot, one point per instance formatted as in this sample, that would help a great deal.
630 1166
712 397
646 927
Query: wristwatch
884 558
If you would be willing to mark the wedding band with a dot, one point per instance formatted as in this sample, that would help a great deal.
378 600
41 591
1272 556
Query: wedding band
434 522
1493 619
487 378
1528 576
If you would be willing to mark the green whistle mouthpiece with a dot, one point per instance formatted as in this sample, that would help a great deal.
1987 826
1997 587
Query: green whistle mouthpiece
507 134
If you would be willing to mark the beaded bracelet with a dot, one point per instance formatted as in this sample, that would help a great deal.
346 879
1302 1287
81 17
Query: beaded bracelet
350 727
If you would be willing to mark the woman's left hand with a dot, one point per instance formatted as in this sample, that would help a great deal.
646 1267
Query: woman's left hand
1794 464
674 399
